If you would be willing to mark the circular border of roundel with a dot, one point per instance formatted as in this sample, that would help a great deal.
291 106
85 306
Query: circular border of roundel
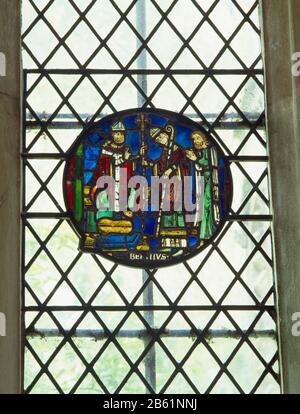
164 113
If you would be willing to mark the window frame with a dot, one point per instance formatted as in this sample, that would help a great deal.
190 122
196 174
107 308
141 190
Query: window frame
280 34
10 190
281 37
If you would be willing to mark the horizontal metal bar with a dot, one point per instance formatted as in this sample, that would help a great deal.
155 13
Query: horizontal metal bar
142 333
229 117
50 215
232 217
207 115
76 125
137 308
248 158
62 156
43 115
44 155
86 71
250 217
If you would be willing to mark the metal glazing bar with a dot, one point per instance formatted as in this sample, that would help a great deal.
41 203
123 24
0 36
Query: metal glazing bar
139 308
85 71
60 156
150 360
231 217
77 125
232 116
143 333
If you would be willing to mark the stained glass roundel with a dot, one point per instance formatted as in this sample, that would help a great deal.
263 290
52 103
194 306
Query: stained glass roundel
146 188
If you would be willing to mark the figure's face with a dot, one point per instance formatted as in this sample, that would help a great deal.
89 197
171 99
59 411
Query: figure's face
162 138
199 141
118 137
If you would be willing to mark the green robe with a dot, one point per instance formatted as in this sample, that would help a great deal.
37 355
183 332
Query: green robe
207 226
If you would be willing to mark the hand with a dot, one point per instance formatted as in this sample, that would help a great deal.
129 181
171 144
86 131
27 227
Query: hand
168 172
143 150
127 153
191 155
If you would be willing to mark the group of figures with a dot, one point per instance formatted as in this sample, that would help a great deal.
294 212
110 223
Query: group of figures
146 144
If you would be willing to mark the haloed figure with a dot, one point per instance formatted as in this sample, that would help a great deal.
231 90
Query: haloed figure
201 155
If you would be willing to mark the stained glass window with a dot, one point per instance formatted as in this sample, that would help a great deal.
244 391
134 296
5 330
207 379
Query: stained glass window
207 324
171 192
